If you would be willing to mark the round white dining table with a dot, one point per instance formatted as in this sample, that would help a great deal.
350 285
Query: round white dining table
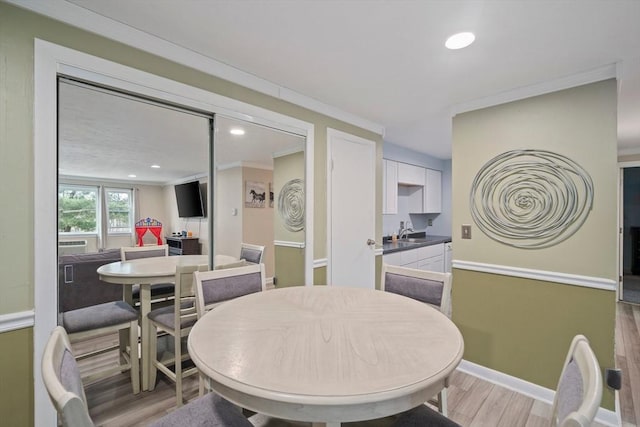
146 272
326 354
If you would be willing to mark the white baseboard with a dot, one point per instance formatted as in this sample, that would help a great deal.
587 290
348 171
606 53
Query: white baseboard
534 391
14 321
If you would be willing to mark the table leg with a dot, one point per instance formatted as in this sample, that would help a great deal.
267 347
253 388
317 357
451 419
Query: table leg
127 296
145 307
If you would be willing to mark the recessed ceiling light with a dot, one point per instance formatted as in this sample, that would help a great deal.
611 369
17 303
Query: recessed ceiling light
131 176
236 131
460 40
155 166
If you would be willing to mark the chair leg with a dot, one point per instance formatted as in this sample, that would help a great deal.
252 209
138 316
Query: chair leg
134 361
200 385
153 352
442 402
177 352
123 337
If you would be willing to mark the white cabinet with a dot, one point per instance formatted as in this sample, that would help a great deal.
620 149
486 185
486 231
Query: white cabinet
408 258
429 258
389 187
410 174
421 187
432 197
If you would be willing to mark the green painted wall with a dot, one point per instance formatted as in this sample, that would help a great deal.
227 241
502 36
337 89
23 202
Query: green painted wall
524 327
16 378
289 263
320 276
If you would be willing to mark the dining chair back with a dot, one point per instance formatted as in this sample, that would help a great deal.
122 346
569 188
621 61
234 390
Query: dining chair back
251 253
579 392
429 287
61 378
175 320
217 286
159 291
127 253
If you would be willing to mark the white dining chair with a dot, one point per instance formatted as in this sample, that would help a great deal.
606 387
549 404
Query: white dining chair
430 287
61 378
579 392
217 286
251 253
176 321
160 292
102 319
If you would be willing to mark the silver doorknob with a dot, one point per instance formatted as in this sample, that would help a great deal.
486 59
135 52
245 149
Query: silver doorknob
371 242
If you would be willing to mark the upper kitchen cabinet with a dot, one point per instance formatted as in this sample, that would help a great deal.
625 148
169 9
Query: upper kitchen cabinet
432 195
410 175
420 188
390 187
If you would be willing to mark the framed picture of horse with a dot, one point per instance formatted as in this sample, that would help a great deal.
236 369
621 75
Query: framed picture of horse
254 194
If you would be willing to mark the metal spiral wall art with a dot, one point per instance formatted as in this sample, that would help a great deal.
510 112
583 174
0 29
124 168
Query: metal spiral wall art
291 205
531 199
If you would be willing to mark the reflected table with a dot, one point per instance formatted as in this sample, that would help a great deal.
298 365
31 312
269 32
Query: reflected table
146 272
326 354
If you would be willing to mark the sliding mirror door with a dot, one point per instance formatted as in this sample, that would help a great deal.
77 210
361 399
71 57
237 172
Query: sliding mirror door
259 196
120 158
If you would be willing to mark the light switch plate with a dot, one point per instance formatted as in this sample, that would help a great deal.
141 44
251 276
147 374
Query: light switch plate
466 231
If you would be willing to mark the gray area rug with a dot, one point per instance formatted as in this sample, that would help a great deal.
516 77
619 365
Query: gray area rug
631 289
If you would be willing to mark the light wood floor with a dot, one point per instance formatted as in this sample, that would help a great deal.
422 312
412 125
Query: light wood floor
472 402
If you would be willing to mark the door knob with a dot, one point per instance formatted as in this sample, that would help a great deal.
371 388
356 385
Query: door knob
371 242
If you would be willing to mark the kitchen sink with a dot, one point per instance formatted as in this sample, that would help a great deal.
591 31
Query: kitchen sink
406 242
413 240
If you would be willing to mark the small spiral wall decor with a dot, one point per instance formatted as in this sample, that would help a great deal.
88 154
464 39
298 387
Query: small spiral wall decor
291 205
531 199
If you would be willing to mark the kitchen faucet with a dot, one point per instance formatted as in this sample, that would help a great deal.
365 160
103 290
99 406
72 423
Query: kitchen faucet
404 229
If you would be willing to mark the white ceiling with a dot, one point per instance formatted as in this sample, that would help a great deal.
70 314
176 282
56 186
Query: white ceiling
106 136
385 60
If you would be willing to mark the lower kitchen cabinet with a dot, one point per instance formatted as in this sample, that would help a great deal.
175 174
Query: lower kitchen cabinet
429 258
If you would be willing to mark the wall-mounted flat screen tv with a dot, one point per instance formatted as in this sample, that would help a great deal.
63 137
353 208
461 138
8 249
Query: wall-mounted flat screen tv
190 200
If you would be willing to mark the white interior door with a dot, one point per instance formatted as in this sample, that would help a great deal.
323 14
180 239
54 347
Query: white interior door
351 205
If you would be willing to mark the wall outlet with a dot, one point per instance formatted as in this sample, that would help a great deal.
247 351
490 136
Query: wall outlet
466 231
430 222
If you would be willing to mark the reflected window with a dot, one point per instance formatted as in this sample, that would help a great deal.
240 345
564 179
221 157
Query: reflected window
77 209
119 211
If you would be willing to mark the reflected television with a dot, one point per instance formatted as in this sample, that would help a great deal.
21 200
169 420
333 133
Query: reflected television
191 199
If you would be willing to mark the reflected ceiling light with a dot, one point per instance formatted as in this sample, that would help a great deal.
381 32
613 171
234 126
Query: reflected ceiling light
460 40
236 131
155 166
131 176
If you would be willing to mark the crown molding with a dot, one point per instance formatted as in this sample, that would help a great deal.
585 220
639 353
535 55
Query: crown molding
598 74
87 20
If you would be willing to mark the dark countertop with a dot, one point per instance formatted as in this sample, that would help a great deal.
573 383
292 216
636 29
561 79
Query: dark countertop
414 241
